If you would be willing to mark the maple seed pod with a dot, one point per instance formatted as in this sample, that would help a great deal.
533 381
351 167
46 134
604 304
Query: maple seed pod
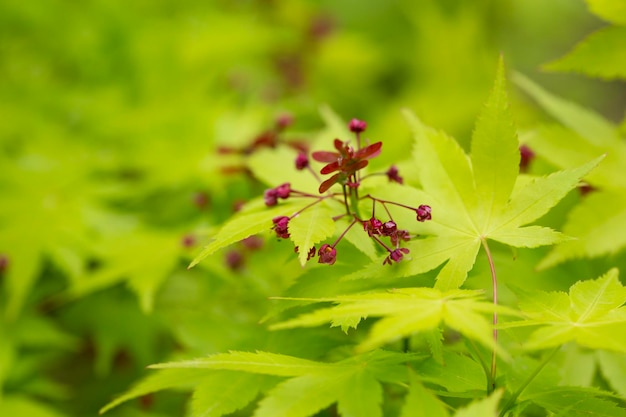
423 213
357 126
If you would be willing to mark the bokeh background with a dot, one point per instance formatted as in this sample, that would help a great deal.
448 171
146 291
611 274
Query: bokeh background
112 117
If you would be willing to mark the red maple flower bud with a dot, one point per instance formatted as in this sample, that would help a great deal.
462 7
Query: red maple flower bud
201 200
284 120
253 242
398 236
357 126
389 228
327 254
4 263
188 241
395 255
373 226
283 190
302 161
526 157
270 197
423 213
281 226
392 174
234 259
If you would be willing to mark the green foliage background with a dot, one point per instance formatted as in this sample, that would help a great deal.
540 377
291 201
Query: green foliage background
111 115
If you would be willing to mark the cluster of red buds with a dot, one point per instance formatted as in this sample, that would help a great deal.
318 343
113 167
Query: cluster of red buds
345 164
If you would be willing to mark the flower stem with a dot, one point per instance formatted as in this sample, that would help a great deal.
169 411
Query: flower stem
354 221
494 283
345 199
318 199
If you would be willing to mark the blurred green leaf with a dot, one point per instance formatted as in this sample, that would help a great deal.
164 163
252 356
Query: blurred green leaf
599 55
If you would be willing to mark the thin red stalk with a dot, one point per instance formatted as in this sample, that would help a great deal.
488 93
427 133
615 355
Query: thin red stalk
390 202
387 210
308 206
312 171
494 283
382 244
344 233
304 194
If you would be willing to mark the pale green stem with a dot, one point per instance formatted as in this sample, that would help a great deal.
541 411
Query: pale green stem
494 283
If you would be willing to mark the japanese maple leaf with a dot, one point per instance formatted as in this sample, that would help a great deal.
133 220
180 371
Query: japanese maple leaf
478 197
592 314
307 386
580 133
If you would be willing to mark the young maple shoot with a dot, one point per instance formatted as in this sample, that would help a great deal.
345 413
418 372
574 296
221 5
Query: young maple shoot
345 165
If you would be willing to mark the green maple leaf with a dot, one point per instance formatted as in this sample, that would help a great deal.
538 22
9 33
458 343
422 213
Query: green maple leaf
600 55
577 402
613 11
613 367
487 407
353 383
478 197
142 258
421 402
214 393
47 211
404 312
256 218
592 315
583 133
310 227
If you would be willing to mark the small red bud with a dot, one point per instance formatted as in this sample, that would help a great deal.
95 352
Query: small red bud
302 161
188 241
234 259
423 213
327 254
4 263
357 126
284 120
201 200
281 226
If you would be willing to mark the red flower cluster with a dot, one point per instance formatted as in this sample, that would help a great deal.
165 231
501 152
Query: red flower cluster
273 194
344 164
347 161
